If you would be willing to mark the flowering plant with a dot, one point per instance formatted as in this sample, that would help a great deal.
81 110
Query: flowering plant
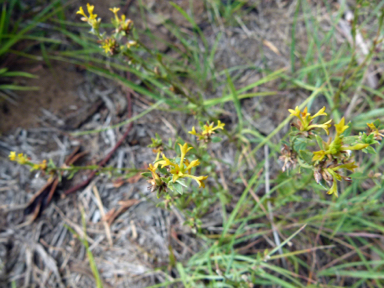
169 174
334 155
123 27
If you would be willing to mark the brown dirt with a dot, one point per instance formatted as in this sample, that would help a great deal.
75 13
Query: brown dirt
57 94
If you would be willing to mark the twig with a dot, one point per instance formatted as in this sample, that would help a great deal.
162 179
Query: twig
102 212
105 160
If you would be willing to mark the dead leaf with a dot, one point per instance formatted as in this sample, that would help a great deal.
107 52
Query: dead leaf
272 47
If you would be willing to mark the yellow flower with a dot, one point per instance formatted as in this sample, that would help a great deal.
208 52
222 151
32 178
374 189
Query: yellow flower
305 120
183 170
155 176
12 156
208 130
43 165
90 9
341 127
336 146
109 45
91 19
319 155
359 146
115 10
349 166
184 150
372 129
21 159
297 112
121 24
324 126
35 167
40 166
336 177
199 179
165 162
193 131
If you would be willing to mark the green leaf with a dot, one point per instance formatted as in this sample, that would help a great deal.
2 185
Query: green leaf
216 139
17 87
147 174
18 74
320 142
162 170
306 156
358 175
349 140
300 144
348 131
377 123
182 183
369 150
170 186
178 187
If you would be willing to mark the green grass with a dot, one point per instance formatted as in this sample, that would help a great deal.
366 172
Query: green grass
13 31
312 226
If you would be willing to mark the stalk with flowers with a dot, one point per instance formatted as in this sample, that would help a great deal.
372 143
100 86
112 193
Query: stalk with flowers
168 176
334 155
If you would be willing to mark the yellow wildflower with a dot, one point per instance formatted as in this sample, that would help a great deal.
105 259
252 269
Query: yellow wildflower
304 123
109 45
372 129
90 9
341 127
336 146
114 11
156 183
208 131
91 19
121 24
12 156
337 177
153 168
21 158
183 169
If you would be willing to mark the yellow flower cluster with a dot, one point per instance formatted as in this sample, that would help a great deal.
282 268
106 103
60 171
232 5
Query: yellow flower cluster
177 170
330 174
110 46
304 123
121 24
24 160
208 131
337 177
19 158
336 147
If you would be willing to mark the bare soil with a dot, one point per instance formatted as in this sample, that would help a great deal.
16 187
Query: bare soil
57 94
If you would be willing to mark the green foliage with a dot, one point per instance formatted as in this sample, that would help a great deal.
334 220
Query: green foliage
12 31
